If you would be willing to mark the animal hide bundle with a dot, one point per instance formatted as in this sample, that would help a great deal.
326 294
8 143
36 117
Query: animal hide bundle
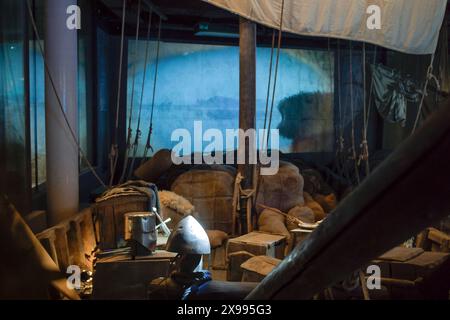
174 206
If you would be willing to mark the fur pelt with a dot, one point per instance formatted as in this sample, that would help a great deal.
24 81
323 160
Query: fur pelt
175 202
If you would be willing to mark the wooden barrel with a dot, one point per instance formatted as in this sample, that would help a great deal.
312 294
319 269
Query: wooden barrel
109 217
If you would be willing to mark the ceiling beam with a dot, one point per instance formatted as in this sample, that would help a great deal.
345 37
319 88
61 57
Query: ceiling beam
155 9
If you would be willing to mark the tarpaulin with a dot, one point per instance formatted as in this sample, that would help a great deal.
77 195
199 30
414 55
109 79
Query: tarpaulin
410 26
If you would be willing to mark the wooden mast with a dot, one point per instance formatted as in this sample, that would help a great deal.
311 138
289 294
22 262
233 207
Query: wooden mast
247 101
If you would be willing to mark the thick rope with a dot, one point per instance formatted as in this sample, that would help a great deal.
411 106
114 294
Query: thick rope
138 128
58 98
148 145
130 117
114 154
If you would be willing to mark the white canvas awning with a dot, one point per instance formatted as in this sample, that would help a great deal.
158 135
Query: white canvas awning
410 26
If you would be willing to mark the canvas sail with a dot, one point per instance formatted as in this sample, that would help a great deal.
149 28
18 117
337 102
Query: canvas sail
410 26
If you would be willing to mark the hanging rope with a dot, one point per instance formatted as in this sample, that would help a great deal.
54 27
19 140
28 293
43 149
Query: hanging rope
352 115
269 84
367 111
280 34
364 143
265 145
114 154
430 76
340 142
130 116
58 98
148 145
138 128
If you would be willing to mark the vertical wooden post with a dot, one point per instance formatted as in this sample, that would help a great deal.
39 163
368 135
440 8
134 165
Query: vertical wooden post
247 99
61 55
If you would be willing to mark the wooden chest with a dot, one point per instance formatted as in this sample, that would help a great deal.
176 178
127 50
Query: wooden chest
259 244
119 277
109 218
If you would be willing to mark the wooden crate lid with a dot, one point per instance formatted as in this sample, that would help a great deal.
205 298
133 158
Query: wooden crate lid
259 238
262 265
401 254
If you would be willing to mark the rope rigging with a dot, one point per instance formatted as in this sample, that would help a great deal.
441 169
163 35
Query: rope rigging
280 33
58 98
367 112
340 142
269 83
138 128
429 77
114 154
148 145
130 116
352 115
265 143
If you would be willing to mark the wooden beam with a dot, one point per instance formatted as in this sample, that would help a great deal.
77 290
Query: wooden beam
247 98
404 195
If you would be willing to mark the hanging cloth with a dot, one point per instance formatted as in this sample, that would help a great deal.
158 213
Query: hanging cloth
410 26
392 92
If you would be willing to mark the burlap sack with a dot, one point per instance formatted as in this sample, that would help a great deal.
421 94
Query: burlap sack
314 182
154 168
317 209
305 214
327 202
282 191
272 222
211 192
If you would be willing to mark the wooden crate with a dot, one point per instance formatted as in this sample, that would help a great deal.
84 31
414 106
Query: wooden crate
109 219
235 260
257 268
119 277
259 244
411 273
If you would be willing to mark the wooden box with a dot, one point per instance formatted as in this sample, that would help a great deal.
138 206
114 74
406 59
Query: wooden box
411 273
119 277
257 268
109 217
235 260
259 244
